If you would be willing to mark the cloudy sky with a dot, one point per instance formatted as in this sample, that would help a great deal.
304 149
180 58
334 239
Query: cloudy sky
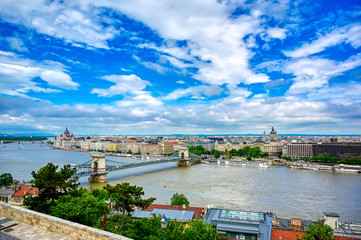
180 67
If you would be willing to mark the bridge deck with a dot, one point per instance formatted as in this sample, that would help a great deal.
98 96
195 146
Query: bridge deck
86 169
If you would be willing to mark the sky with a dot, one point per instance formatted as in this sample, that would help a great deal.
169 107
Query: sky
150 67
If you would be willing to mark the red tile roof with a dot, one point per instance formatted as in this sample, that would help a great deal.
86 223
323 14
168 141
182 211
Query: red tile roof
198 211
25 189
280 234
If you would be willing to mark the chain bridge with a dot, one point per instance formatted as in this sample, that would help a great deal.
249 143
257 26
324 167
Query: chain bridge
98 167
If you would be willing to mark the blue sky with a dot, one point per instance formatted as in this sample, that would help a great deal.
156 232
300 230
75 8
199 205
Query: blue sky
180 67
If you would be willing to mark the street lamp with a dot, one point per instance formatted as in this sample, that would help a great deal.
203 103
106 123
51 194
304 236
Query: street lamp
163 224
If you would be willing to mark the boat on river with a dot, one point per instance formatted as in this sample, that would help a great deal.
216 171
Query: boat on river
242 163
313 167
348 168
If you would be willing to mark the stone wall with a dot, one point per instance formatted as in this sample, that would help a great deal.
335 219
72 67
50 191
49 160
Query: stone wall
54 224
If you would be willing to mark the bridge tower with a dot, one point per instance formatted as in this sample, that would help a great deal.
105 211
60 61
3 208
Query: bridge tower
184 157
99 172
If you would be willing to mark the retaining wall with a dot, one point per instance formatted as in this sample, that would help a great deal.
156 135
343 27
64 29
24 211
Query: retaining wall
54 224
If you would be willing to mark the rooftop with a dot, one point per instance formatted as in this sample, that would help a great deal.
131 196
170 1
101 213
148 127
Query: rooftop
330 214
242 215
198 211
179 215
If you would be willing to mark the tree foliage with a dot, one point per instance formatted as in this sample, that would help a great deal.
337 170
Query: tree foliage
179 200
81 207
198 150
247 151
150 229
318 231
51 184
326 159
215 153
6 179
126 197
198 230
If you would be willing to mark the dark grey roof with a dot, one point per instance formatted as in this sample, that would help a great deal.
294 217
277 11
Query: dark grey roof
181 216
6 192
237 228
330 214
241 221
285 223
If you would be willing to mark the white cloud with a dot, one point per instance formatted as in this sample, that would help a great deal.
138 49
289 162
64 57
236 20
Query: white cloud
59 79
314 73
74 22
214 42
195 92
4 53
124 84
350 34
345 93
155 66
141 99
16 44
279 33
17 74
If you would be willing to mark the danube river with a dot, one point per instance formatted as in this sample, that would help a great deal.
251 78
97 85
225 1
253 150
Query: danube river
287 192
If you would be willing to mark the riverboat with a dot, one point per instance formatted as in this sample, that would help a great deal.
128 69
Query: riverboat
313 167
348 168
238 163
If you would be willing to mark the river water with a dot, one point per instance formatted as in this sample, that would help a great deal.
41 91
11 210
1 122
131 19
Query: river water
287 192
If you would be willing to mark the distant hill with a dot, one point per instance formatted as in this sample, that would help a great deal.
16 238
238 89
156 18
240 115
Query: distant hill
28 135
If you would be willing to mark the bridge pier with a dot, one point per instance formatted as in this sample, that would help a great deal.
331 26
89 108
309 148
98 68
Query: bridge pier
184 157
181 163
100 178
98 168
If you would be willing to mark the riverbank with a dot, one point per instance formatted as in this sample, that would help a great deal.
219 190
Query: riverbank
286 191
263 163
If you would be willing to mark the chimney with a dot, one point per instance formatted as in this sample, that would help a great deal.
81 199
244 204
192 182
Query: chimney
296 224
275 223
331 219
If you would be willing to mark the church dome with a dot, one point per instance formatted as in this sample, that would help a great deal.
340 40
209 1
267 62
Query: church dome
66 132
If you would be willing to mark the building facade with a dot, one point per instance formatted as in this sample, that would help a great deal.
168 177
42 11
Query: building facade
299 150
154 149
237 224
167 147
339 150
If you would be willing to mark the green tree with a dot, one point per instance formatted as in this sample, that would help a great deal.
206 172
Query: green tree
318 231
226 154
255 152
126 197
198 230
149 228
82 207
198 150
215 153
233 152
179 199
51 184
265 155
247 151
6 179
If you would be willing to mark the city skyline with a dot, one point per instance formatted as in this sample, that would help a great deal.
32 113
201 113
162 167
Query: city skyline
189 67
